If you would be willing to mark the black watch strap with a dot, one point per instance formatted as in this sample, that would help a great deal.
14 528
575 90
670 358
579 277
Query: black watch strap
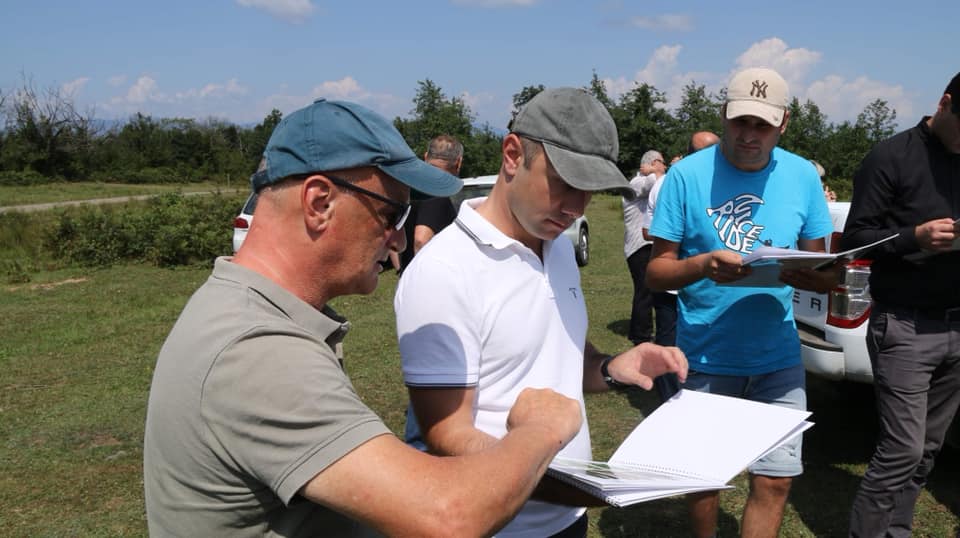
607 378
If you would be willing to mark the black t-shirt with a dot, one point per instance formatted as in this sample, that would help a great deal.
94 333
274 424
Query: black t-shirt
435 213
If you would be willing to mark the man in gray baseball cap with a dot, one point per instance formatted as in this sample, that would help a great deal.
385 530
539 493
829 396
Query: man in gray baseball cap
253 426
507 310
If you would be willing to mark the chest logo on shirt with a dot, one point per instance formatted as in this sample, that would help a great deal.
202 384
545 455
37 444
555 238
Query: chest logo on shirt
734 223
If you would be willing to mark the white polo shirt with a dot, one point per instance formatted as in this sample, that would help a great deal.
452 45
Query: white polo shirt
476 308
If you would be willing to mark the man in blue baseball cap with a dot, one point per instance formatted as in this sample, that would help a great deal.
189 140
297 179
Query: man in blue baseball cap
253 427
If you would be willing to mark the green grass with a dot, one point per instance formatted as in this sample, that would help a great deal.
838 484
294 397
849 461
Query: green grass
64 191
77 353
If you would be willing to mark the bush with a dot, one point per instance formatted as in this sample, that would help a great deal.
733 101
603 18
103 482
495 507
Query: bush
25 177
166 230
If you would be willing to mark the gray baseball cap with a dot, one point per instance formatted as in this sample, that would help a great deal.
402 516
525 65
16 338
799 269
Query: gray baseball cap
578 136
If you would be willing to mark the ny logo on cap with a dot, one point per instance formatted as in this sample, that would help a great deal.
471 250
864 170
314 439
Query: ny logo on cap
759 89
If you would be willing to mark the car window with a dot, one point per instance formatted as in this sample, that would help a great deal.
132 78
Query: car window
470 191
251 204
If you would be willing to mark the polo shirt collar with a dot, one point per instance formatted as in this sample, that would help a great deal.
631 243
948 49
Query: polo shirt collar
485 233
325 323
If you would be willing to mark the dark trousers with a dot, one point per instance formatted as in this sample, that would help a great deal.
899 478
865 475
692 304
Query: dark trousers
915 356
641 313
665 314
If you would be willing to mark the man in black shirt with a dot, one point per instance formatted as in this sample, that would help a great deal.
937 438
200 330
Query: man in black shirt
910 185
430 215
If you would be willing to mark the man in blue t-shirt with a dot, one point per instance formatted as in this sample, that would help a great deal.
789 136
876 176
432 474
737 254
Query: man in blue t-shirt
716 206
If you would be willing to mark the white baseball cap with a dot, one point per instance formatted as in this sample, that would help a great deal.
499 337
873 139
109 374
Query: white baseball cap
759 92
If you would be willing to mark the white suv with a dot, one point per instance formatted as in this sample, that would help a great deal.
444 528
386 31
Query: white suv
833 326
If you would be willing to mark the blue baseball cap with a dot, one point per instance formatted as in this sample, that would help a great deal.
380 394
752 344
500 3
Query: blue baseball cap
337 135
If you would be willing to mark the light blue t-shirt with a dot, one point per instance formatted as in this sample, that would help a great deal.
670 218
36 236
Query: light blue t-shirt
706 204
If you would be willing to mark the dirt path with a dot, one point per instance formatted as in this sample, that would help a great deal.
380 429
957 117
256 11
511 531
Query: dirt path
27 208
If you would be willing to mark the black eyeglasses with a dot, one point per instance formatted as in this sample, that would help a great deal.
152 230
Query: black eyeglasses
396 220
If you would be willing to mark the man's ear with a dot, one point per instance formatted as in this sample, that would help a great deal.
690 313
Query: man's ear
786 120
512 154
317 199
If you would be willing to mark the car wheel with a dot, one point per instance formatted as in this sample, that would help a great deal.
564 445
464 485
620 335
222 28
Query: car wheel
582 249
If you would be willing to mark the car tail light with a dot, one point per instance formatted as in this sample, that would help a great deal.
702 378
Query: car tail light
241 223
849 302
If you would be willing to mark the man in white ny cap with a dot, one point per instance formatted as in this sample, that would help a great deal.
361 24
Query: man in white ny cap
506 309
716 206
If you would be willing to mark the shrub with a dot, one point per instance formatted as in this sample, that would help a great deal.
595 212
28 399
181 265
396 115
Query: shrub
25 177
166 230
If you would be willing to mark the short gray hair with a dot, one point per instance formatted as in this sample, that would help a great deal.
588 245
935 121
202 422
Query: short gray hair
650 156
445 148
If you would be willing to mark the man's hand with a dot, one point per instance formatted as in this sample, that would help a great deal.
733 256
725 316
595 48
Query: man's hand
722 266
820 281
640 364
550 410
936 235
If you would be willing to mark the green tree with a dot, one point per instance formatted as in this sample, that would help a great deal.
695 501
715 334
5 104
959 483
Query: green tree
434 114
878 120
254 141
806 131
699 110
523 97
642 124
45 132
481 153
598 89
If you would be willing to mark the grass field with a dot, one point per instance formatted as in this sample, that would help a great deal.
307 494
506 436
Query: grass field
77 353
66 191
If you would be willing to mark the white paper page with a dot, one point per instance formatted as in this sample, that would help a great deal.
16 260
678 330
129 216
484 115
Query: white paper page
626 499
709 435
761 254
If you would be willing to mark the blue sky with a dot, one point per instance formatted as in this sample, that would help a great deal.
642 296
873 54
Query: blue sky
238 59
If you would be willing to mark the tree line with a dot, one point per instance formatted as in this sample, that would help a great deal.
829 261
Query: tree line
45 137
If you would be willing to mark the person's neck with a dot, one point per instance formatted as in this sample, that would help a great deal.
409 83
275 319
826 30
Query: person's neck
275 265
750 168
496 211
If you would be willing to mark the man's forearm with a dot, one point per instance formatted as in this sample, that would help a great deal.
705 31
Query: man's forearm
672 274
459 441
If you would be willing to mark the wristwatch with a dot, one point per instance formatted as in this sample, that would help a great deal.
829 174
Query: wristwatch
607 378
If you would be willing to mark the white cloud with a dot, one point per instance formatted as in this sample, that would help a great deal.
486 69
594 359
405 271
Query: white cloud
495 3
143 90
213 90
658 72
345 89
289 10
842 100
668 22
74 86
117 80
792 64
477 100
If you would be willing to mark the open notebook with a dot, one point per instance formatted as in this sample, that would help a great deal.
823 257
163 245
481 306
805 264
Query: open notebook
767 262
693 442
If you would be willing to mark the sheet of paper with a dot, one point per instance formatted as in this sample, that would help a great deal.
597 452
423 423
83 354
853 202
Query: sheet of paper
709 435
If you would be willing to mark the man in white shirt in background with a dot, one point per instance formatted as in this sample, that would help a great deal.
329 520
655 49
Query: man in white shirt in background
636 248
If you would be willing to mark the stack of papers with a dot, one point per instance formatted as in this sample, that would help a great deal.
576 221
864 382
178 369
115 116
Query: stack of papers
693 442
767 262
